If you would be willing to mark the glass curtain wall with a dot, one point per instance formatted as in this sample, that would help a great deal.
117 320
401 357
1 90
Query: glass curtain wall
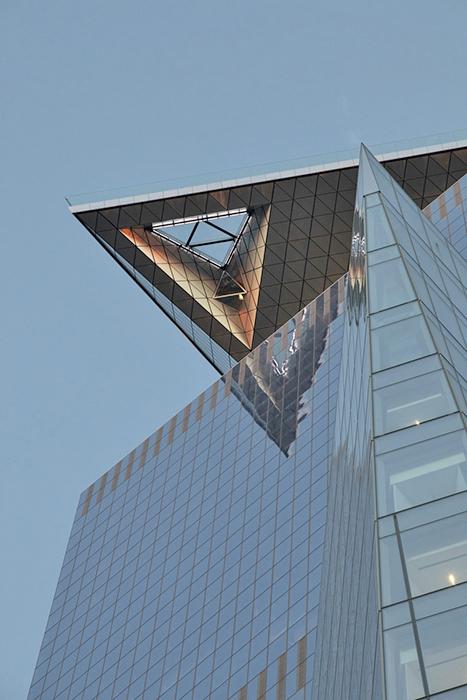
417 334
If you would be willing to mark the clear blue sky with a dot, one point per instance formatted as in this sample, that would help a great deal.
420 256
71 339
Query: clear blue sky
101 94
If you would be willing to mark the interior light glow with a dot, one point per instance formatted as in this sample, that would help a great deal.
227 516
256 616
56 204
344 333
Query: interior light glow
414 403
240 296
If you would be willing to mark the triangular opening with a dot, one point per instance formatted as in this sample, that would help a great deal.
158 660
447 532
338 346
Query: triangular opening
229 288
211 235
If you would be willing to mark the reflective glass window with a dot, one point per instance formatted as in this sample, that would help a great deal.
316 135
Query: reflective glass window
444 311
392 578
389 285
400 342
436 554
403 678
423 472
411 214
440 601
396 375
443 639
385 183
383 318
396 615
412 402
378 232
400 228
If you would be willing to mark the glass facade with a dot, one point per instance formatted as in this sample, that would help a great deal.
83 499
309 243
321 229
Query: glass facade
194 566
417 340
299 530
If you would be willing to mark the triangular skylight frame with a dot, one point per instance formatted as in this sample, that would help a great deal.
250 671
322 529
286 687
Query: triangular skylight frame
202 224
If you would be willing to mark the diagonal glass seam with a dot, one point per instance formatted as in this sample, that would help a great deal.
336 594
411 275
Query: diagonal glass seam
205 243
241 230
193 231
219 228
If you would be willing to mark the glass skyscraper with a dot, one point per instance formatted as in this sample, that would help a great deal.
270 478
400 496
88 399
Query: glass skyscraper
299 530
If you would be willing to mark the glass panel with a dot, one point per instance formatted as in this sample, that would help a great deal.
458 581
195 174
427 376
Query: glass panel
378 232
389 285
429 512
443 639
395 314
366 179
400 228
392 579
384 180
428 264
445 313
400 342
436 554
412 402
386 526
407 370
455 292
422 472
372 200
403 679
458 386
396 615
390 252
411 214
440 601
419 433
438 243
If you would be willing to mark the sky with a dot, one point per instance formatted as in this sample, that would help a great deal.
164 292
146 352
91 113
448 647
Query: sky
100 94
